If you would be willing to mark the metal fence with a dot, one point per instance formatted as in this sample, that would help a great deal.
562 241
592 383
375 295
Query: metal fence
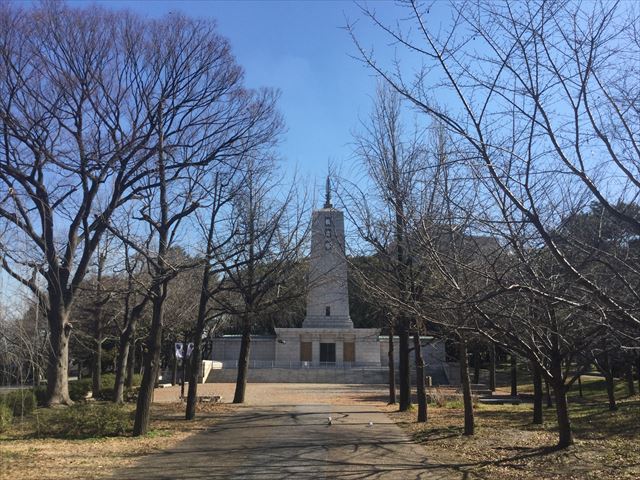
256 364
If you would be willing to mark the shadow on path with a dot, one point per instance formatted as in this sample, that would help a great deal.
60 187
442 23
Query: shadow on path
295 442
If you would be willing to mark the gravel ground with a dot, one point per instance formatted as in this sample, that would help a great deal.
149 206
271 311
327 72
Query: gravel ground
265 394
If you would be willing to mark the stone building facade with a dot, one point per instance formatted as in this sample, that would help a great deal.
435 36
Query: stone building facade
327 338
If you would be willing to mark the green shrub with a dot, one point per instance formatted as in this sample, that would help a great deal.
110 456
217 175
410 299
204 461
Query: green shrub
21 402
6 416
107 385
107 381
41 395
78 389
105 394
85 421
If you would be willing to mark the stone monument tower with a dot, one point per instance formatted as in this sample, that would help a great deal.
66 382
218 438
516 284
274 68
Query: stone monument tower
328 295
327 337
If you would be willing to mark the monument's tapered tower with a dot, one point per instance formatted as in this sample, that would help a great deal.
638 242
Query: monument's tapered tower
327 336
328 295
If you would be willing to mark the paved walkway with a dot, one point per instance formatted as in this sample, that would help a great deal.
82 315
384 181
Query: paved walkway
294 442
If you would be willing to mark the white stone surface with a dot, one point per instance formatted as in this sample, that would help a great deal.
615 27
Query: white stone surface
327 272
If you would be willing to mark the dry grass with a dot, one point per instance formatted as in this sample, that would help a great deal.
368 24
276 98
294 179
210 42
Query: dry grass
24 457
507 446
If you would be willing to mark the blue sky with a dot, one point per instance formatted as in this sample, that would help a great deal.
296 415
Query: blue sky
301 49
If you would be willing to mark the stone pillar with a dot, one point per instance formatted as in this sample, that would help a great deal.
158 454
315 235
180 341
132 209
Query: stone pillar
315 351
339 352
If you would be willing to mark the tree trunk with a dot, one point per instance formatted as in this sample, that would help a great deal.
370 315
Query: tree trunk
420 386
196 355
638 370
243 361
608 378
183 374
631 387
194 372
404 370
392 370
565 435
122 362
151 362
476 367
537 394
174 367
131 365
466 389
58 365
96 363
580 385
514 375
549 402
492 367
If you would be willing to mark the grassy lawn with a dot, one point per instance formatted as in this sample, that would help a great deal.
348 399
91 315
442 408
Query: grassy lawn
507 446
27 454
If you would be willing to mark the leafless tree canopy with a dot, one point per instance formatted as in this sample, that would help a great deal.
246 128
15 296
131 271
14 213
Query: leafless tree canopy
526 215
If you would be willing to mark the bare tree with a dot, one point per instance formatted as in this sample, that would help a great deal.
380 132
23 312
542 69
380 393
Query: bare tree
392 159
259 262
535 94
222 187
74 144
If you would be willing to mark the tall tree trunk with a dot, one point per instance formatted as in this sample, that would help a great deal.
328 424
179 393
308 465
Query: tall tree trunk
243 360
492 367
514 375
58 364
392 369
404 370
131 365
174 367
631 387
547 388
469 423
420 380
611 395
96 363
194 372
638 369
185 361
607 371
159 295
96 366
151 362
565 435
537 393
580 385
122 362
476 366
126 360
196 355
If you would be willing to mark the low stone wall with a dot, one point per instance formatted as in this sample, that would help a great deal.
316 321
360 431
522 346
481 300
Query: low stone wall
318 375
303 375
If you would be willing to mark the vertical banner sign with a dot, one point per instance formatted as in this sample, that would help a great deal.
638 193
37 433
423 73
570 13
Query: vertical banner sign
179 350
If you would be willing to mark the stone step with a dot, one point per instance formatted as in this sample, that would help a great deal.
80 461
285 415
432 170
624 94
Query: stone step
500 400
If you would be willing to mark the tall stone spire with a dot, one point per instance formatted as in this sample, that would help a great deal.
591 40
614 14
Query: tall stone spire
327 201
